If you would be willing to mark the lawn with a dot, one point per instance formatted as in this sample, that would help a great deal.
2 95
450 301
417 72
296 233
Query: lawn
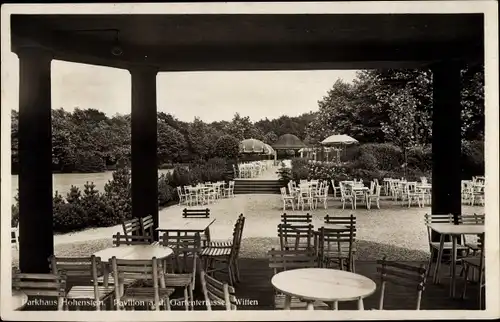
395 231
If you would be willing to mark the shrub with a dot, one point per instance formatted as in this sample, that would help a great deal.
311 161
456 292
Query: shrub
387 156
15 211
420 158
117 196
472 159
284 173
180 176
166 193
95 206
68 216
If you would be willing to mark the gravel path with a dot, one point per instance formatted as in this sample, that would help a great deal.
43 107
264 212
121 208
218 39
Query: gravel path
395 231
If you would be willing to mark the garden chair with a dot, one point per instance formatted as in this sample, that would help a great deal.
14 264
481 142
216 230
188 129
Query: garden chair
184 198
322 196
217 293
411 194
147 228
296 236
346 195
402 275
305 197
287 199
146 272
225 254
282 260
477 194
131 227
337 246
474 219
335 189
14 236
434 246
83 274
477 263
185 247
41 285
229 192
120 239
373 197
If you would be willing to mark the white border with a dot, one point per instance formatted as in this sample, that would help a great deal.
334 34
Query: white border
490 10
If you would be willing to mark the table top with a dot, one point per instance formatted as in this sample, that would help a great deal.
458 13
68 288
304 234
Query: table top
451 229
136 252
323 284
188 224
18 300
359 188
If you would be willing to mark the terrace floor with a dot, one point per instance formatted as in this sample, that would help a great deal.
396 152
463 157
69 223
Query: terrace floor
256 287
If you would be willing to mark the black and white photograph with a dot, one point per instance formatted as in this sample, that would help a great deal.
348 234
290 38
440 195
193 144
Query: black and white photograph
250 161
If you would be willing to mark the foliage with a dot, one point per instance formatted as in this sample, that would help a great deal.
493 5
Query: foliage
284 173
227 146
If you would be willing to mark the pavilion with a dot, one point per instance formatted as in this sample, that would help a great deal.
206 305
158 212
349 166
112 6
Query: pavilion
148 44
287 142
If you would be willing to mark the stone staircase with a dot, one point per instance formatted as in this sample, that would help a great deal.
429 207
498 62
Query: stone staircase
242 186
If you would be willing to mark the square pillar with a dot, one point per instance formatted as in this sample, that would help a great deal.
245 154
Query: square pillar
446 141
36 235
144 144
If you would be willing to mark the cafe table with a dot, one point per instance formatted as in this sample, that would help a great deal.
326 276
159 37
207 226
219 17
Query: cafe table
454 231
323 284
18 300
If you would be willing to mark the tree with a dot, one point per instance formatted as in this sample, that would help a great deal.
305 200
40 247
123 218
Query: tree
227 147
172 147
270 138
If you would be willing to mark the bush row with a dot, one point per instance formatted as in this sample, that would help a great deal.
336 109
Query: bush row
81 209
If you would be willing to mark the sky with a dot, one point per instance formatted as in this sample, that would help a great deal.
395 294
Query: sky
211 96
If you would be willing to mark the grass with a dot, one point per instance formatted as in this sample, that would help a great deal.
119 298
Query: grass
395 231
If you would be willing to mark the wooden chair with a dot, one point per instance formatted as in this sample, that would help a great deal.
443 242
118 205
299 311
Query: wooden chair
401 274
14 236
474 219
120 239
336 246
282 260
83 274
476 262
287 199
294 219
43 285
217 293
434 246
183 246
226 256
131 227
145 271
296 237
147 228
196 213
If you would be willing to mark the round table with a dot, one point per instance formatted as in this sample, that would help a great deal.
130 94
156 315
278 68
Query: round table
323 284
18 300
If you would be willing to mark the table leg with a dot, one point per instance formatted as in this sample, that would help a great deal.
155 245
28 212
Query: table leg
288 302
310 306
440 257
453 265
361 306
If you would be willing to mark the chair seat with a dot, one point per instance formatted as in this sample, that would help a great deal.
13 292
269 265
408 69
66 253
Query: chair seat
447 245
335 255
178 280
296 303
216 251
473 246
142 293
472 261
87 292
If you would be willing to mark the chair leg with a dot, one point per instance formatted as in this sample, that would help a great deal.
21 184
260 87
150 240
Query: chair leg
237 269
466 278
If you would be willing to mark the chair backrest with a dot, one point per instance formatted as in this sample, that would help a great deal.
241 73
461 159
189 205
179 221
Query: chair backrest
282 260
196 213
376 182
120 239
401 274
147 225
296 218
283 191
377 190
217 292
131 226
46 285
148 270
182 242
473 219
179 191
339 241
341 220
294 236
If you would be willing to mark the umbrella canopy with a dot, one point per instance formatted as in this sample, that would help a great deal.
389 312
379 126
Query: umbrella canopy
252 146
288 141
339 139
268 150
